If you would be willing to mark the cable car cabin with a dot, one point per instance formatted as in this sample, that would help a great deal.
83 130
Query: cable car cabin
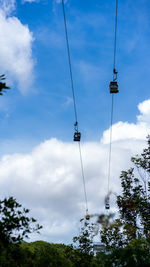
77 136
113 87
107 206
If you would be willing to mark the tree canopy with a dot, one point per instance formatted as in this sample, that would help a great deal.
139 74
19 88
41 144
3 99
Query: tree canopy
133 222
15 225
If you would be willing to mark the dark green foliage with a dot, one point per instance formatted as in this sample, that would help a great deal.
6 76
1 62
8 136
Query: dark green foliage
14 222
44 254
34 254
15 225
136 254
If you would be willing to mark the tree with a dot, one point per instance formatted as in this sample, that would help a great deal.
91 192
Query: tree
128 236
41 253
3 86
15 225
84 242
83 245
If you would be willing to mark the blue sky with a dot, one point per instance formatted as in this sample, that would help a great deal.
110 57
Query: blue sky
46 109
39 106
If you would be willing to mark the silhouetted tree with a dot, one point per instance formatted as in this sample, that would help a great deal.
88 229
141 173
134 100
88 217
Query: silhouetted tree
15 225
3 86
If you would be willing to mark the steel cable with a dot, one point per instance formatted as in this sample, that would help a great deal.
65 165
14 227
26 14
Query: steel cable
112 103
74 102
69 61
115 38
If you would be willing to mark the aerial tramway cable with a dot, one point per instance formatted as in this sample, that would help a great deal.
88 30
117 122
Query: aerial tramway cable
69 61
77 134
113 86
83 176
115 39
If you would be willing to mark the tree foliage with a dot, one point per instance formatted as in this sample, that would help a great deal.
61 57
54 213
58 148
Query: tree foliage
83 245
84 242
129 234
3 86
134 205
15 225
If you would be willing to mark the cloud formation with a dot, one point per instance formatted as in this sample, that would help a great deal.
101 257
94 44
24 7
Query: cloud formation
48 179
144 109
16 48
7 6
125 131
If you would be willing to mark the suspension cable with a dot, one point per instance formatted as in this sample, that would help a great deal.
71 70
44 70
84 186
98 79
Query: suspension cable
115 38
83 177
110 141
69 61
74 102
112 103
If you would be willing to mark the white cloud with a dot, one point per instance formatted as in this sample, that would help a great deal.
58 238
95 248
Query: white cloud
144 109
48 179
7 6
16 51
125 131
